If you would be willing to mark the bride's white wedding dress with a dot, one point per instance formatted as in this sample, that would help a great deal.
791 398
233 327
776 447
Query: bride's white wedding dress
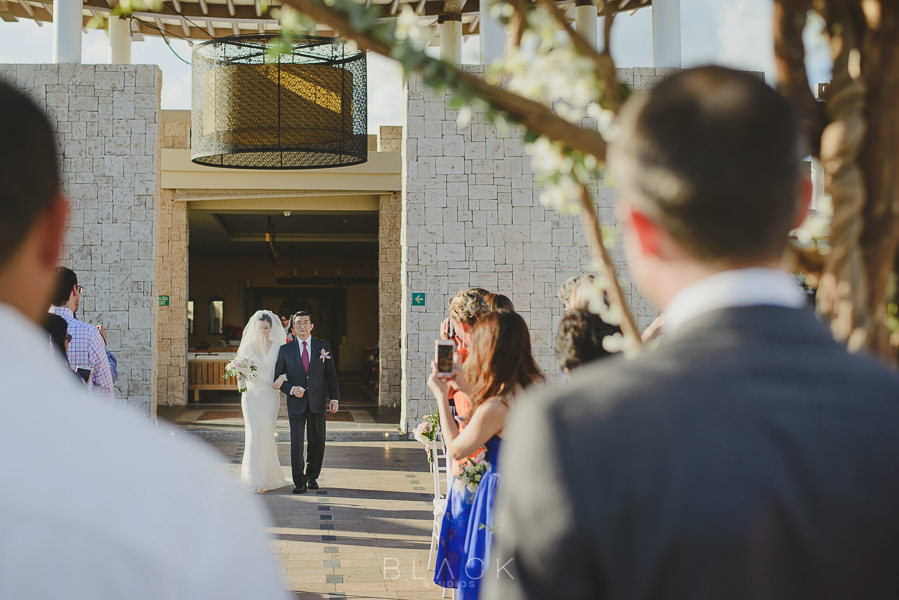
261 469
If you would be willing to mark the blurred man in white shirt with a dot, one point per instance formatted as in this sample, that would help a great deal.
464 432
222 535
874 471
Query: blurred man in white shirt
96 502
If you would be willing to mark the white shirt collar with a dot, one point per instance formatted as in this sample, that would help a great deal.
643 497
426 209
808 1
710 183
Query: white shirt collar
741 287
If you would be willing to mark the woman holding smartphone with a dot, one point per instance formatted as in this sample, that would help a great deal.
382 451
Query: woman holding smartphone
500 365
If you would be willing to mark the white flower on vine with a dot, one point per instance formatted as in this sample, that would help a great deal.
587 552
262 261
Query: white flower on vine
407 28
562 196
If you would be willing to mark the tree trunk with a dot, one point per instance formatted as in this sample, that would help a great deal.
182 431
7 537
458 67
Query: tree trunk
879 161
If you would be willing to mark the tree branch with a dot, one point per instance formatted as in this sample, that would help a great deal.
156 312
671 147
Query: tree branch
533 115
789 58
603 60
616 296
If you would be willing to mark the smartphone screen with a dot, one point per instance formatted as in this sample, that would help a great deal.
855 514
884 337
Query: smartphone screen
85 373
444 357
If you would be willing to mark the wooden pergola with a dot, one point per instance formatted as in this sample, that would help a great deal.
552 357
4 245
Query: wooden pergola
203 20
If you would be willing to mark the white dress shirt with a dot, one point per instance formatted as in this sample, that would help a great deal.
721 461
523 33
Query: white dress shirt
740 287
96 502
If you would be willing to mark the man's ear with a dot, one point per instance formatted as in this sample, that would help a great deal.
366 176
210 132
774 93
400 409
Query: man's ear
646 231
805 201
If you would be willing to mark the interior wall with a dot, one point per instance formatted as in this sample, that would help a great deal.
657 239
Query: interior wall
229 278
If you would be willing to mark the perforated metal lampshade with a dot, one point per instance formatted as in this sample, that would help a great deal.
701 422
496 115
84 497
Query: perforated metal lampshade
299 110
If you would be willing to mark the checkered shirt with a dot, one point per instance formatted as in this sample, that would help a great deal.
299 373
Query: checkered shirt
87 349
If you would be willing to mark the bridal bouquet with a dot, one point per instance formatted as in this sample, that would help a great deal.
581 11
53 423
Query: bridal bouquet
427 430
473 470
244 369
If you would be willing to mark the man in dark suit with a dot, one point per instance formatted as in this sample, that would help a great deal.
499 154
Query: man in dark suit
748 455
311 389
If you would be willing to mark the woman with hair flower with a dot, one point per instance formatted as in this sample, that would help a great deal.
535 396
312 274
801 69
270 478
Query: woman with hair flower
500 364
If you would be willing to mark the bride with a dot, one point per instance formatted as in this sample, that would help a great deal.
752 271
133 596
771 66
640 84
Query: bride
262 338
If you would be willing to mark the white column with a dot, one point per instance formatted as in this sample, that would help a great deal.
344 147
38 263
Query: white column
493 36
585 20
666 33
450 32
119 41
67 23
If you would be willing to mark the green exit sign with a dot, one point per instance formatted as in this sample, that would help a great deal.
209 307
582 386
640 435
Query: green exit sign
163 301
418 299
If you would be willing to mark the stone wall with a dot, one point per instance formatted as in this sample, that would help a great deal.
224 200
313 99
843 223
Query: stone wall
105 117
471 217
170 358
390 138
389 299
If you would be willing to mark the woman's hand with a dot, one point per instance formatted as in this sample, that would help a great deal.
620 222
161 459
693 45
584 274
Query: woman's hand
444 329
438 385
280 380
458 376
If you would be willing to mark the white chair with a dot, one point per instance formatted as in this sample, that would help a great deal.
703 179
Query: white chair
443 479
439 471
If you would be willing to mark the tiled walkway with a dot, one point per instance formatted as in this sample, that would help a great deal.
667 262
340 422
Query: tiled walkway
366 533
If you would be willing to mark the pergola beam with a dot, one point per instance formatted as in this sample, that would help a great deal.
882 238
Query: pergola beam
203 19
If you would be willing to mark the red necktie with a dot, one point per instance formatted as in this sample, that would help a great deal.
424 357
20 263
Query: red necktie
305 357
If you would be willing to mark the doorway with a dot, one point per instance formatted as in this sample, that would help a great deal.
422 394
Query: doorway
286 261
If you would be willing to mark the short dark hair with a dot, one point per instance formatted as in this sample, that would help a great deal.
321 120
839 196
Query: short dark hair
29 167
712 155
301 313
65 281
579 340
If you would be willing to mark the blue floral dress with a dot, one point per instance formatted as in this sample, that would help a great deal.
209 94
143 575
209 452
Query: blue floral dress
479 537
451 547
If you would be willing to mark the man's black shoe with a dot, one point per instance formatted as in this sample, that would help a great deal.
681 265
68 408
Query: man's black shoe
299 490
312 484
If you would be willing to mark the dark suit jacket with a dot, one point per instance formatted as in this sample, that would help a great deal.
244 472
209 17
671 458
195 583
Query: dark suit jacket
748 456
320 382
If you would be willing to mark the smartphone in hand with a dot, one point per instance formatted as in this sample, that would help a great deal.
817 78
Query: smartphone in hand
443 356
85 373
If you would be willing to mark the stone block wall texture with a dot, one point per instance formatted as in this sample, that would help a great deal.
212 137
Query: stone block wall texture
105 118
471 217
389 299
171 264
390 138
171 275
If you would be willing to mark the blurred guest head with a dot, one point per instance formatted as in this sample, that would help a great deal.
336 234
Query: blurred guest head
499 302
568 292
579 340
708 165
500 359
33 208
57 327
68 292
465 309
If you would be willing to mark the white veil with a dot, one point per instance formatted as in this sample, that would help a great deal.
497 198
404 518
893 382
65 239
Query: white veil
252 344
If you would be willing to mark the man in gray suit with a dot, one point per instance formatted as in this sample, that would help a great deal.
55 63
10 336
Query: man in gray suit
749 455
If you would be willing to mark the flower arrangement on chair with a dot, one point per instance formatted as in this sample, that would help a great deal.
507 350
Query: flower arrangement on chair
426 432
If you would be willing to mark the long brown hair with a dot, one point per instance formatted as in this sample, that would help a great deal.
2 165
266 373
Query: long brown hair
499 361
